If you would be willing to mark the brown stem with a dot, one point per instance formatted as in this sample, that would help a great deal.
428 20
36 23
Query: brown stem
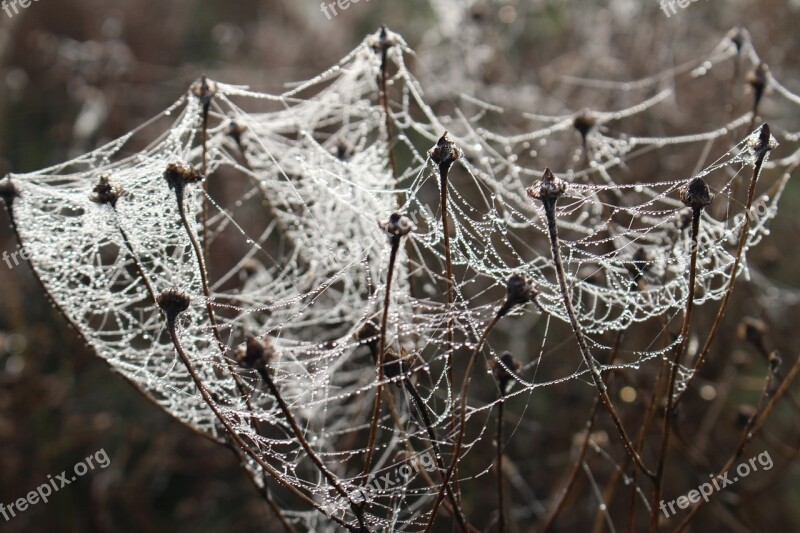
381 359
501 507
679 352
549 206
462 418
763 150
230 430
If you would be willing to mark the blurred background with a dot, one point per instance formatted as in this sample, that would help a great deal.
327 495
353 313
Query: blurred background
75 74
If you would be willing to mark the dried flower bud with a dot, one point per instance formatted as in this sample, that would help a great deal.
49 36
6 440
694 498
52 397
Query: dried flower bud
519 291
445 153
179 175
757 79
382 40
775 362
395 365
235 130
738 36
696 194
584 121
204 89
255 353
397 226
369 334
106 192
504 369
549 188
173 302
8 191
764 142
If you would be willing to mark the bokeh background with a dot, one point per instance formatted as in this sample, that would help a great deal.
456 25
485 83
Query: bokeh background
75 74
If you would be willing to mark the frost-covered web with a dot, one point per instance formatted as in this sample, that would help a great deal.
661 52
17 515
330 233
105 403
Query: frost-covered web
297 183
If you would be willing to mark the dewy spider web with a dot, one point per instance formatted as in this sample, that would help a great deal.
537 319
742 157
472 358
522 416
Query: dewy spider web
306 263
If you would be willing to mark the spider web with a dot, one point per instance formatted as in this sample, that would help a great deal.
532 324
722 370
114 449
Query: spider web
296 184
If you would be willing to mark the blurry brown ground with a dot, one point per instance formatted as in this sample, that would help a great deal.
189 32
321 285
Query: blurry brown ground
59 403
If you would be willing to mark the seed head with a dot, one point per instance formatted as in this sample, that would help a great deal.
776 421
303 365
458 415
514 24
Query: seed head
445 153
397 226
504 369
8 190
394 365
757 79
255 353
106 192
179 175
519 291
204 89
738 36
173 302
235 130
382 40
547 189
369 335
696 194
764 142
584 121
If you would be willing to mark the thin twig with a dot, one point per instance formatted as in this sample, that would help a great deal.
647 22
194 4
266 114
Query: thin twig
696 196
167 301
763 148
548 190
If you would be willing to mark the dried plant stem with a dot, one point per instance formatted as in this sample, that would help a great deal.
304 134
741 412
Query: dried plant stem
573 475
550 212
747 436
501 506
381 358
462 417
763 150
384 98
298 433
230 430
679 352
444 171
426 419
207 293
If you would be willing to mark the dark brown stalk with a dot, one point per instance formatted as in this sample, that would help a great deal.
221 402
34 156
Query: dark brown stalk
298 433
548 190
397 227
573 475
456 510
173 303
696 196
204 89
747 436
444 154
763 148
519 291
383 44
